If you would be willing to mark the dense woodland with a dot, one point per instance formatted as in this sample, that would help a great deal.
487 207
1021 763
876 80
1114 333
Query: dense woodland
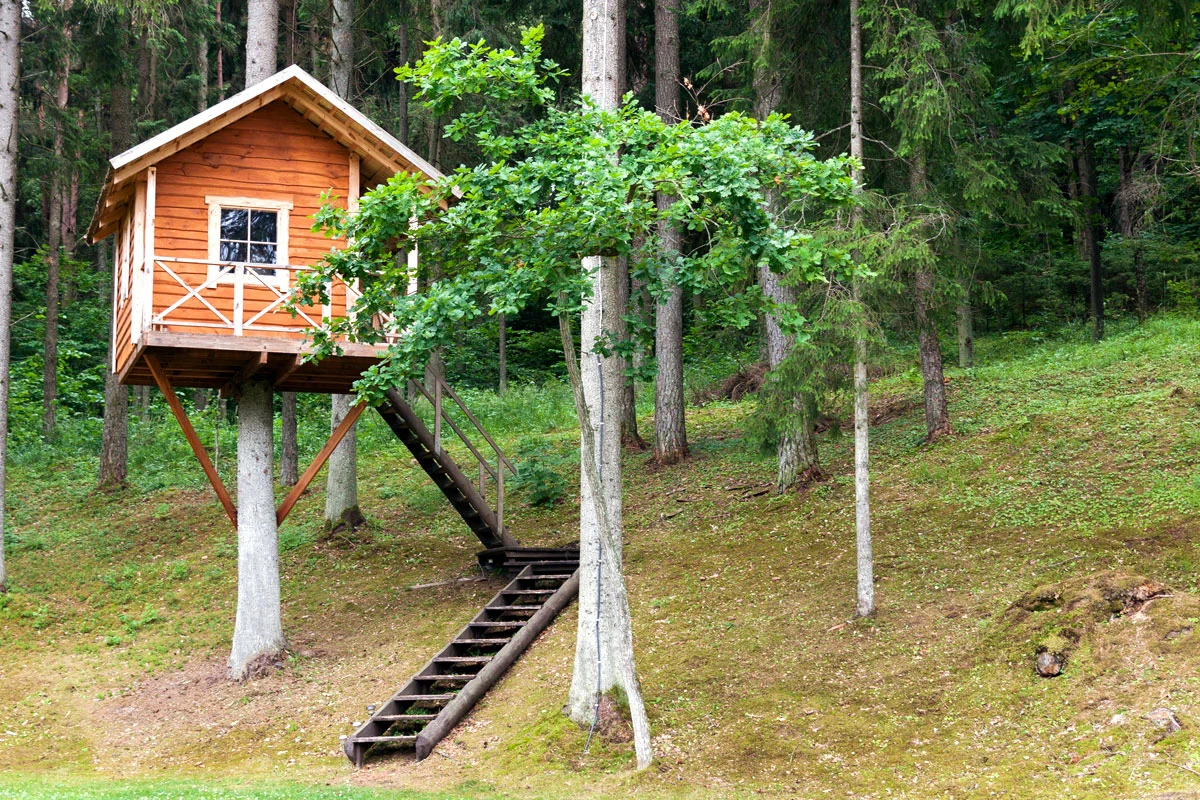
1034 161
793 200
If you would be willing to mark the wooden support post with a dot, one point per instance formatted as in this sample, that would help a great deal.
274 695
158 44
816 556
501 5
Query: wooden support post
189 432
334 440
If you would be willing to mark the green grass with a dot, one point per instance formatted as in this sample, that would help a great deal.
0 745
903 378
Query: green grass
1072 465
181 790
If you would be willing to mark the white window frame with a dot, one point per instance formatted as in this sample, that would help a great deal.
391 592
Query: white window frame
282 209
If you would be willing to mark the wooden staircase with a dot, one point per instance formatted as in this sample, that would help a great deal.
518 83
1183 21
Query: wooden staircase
427 708
467 498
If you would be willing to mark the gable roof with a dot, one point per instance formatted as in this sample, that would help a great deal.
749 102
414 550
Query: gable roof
382 155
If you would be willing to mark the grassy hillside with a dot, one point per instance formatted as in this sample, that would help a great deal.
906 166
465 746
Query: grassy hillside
1063 515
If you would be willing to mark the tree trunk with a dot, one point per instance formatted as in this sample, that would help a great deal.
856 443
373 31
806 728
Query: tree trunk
202 72
629 427
341 489
1091 234
502 341
604 641
1127 202
864 555
262 40
10 73
289 450
114 436
402 111
965 318
341 476
670 423
258 629
54 251
937 414
341 67
220 58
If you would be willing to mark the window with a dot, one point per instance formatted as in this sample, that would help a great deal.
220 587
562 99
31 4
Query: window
248 231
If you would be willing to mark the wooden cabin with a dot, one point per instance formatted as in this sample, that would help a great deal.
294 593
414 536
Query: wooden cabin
212 221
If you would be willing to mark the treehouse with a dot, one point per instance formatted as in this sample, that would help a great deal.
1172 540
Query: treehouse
212 223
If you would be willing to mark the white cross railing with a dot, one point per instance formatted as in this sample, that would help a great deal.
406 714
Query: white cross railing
216 313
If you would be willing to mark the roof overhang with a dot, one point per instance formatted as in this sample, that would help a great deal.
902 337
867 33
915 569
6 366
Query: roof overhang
381 154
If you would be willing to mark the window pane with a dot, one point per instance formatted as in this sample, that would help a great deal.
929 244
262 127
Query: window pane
262 254
233 251
262 226
234 223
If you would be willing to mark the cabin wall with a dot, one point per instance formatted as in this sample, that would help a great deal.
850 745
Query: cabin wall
123 271
271 154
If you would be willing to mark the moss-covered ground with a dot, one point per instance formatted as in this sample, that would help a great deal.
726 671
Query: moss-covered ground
1072 479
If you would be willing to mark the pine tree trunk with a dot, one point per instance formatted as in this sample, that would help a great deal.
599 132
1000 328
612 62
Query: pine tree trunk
262 40
56 225
1126 212
402 54
629 427
1092 233
202 72
341 489
258 628
604 641
670 422
965 319
10 73
937 414
289 450
341 68
220 57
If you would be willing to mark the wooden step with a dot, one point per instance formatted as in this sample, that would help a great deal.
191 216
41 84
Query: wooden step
483 642
406 739
462 659
403 717
523 592
515 623
423 698
451 678
513 608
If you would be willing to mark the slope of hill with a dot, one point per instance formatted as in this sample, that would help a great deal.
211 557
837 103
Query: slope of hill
1063 516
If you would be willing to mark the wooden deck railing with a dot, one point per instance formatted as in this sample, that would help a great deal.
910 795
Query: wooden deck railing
214 310
436 397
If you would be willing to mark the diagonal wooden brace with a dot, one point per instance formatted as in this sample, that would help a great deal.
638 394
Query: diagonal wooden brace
334 440
164 386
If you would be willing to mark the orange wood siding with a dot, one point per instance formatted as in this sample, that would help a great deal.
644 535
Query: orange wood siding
122 294
272 154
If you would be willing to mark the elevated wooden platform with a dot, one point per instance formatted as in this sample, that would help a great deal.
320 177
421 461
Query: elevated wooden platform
216 361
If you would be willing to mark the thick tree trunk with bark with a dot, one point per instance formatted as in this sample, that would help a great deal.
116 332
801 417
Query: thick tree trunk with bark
258 629
1127 214
1092 232
262 40
10 73
289 450
670 424
341 490
604 641
341 57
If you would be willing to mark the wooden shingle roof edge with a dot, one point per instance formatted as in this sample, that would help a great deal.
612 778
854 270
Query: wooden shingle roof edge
381 152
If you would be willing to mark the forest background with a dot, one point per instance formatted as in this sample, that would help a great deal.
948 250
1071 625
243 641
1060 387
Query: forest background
1030 164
